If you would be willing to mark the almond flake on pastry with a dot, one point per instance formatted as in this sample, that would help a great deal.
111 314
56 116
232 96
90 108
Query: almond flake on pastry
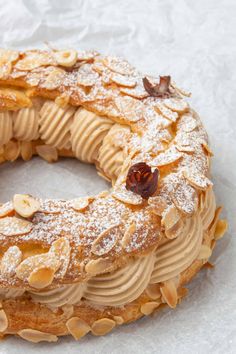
12 226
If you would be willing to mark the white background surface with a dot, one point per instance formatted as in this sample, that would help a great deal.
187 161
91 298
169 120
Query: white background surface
194 41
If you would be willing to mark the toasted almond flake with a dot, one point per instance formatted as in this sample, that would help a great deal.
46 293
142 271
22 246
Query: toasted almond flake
86 55
66 58
205 252
215 220
41 278
176 105
121 80
185 198
118 65
34 263
7 55
102 326
34 59
183 148
158 204
26 150
77 327
175 230
10 261
12 226
12 151
171 155
61 250
180 90
86 76
54 79
128 197
119 320
25 205
129 108
197 180
128 235
170 217
187 123
5 70
169 293
98 266
137 92
80 204
3 321
149 307
166 112
153 291
207 148
106 241
32 335
48 153
6 209
221 228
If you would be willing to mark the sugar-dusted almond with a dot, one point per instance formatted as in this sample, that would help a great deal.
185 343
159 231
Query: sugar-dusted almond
3 321
26 150
126 239
166 112
10 261
86 76
136 92
102 326
197 180
153 291
34 263
176 104
106 241
185 198
180 90
221 228
25 205
8 55
169 293
80 204
171 155
149 307
185 148
130 109
12 151
12 226
34 59
41 278
127 197
158 204
170 217
6 209
61 250
32 335
187 123
66 58
121 80
205 252
77 327
118 65
47 152
98 266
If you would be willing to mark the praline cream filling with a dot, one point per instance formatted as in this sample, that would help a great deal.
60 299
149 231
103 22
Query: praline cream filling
126 284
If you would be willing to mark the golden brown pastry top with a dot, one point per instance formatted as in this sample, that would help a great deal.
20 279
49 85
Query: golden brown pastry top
67 241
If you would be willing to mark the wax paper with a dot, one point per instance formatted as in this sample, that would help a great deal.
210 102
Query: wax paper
194 42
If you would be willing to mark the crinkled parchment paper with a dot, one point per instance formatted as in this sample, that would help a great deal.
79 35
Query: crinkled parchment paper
194 42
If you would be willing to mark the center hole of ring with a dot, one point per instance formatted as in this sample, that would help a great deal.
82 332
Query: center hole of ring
66 179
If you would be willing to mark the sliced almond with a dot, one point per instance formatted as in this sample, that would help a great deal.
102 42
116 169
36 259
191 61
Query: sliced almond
102 326
153 291
121 80
175 230
80 204
128 235
53 79
118 65
130 109
48 153
166 112
6 209
125 196
176 104
171 155
149 307
3 321
98 266
106 241
41 278
221 228
26 150
25 205
12 226
185 198
66 58
197 180
10 261
119 320
32 335
61 250
170 217
180 90
158 204
77 327
169 293
205 252
207 148
137 92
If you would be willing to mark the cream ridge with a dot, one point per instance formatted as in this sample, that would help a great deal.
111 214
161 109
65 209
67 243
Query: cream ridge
126 284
